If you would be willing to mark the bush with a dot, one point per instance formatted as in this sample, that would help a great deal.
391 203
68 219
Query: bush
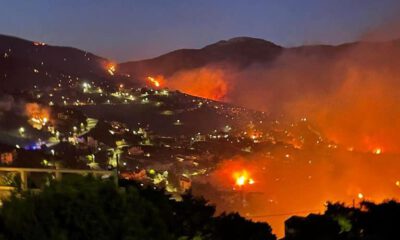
88 208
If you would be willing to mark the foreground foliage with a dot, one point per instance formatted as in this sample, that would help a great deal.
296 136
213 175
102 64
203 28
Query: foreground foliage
87 208
369 221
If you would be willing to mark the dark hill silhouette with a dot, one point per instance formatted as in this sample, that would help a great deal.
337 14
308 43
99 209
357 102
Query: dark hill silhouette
240 51
24 64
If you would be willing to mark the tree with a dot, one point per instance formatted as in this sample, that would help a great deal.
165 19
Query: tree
86 208
235 227
370 221
81 208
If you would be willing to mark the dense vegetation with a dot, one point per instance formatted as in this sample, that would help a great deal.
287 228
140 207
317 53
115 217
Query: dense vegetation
369 221
88 208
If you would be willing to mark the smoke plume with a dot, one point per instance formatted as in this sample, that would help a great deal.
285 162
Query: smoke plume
349 91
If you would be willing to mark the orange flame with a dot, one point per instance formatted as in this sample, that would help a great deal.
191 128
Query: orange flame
39 44
377 151
154 82
207 82
111 69
242 178
38 116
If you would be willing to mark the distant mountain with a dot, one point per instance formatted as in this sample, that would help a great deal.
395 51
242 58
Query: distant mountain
24 64
240 51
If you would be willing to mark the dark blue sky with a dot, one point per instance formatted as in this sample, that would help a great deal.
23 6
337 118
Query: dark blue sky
135 29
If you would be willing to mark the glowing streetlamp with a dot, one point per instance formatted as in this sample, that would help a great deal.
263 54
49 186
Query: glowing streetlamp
21 130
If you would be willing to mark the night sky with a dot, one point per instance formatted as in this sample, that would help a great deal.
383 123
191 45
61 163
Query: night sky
132 29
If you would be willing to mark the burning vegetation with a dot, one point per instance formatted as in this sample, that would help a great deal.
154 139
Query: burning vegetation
350 99
242 178
289 181
351 96
348 103
38 115
111 69
155 82
203 82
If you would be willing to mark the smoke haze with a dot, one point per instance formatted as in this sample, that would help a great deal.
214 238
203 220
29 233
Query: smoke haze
351 94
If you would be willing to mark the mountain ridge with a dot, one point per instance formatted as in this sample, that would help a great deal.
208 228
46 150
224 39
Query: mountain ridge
239 52
24 63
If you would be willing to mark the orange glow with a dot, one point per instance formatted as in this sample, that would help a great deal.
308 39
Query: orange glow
318 176
251 181
154 82
242 178
377 151
240 181
39 44
325 95
207 82
252 132
360 195
351 99
111 69
38 115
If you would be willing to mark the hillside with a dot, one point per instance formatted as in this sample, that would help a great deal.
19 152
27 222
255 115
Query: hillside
240 51
24 64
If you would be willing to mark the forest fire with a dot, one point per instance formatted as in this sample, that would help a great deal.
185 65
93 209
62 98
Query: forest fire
377 151
287 130
39 44
318 176
111 69
360 196
242 178
154 82
38 115
207 82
